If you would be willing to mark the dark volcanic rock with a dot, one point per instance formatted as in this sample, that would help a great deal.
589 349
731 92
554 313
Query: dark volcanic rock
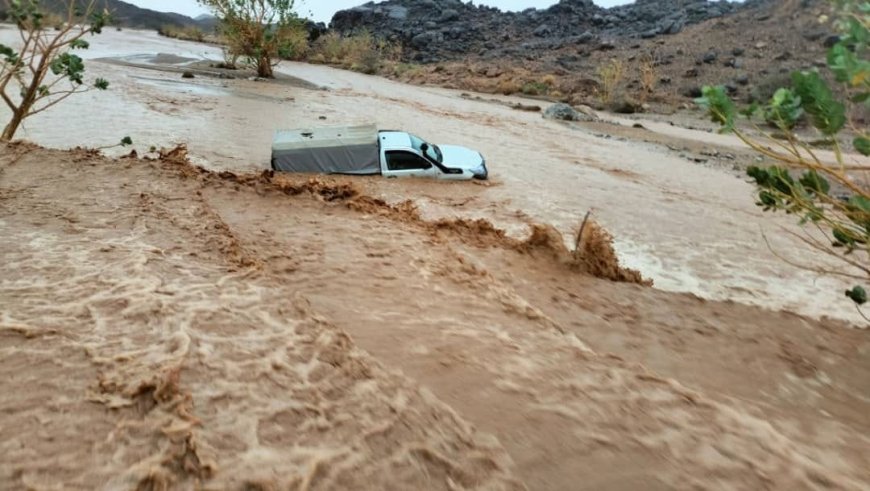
449 29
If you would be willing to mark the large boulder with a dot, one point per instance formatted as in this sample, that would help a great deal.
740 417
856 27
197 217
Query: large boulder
564 112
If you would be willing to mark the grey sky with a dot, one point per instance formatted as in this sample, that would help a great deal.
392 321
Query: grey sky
322 10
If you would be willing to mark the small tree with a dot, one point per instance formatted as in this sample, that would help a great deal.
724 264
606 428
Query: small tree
827 196
45 70
255 29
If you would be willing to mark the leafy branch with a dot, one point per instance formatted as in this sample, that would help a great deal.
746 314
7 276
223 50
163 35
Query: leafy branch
823 194
45 70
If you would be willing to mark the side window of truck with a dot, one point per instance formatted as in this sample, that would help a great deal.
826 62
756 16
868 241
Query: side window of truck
401 160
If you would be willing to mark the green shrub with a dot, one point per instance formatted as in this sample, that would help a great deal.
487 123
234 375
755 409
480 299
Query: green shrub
821 193
294 42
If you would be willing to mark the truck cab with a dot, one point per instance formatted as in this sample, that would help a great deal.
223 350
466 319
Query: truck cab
406 155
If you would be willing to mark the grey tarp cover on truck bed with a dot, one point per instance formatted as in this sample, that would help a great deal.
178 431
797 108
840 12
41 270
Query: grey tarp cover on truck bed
336 150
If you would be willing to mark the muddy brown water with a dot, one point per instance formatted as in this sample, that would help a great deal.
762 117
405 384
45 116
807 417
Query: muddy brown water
689 228
162 328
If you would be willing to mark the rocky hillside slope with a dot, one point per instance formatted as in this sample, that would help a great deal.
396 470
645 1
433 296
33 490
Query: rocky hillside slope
436 30
666 50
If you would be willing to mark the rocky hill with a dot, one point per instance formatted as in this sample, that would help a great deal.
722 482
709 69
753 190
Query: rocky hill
666 50
437 30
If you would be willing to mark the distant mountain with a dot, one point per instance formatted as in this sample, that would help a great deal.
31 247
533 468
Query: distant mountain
129 15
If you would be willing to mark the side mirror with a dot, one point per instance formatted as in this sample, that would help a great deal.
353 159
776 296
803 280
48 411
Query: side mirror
424 147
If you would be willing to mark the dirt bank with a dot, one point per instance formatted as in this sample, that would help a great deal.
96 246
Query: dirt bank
168 326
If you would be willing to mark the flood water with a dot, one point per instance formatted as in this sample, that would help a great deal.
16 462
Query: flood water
689 228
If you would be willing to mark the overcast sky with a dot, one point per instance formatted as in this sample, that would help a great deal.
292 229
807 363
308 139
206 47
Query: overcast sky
322 10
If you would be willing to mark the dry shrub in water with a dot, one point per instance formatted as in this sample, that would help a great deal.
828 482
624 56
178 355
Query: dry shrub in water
611 75
594 254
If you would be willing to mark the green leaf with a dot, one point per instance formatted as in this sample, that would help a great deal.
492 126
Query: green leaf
126 141
750 110
10 54
860 203
815 183
862 145
858 295
70 66
842 238
98 21
847 63
828 115
757 173
719 106
784 110
101 84
79 44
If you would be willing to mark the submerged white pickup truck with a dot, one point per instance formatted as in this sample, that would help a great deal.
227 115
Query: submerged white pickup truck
362 150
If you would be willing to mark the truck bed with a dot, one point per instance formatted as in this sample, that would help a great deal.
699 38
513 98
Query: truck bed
329 150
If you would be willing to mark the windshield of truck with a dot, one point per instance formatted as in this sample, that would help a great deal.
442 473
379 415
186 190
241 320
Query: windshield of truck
432 151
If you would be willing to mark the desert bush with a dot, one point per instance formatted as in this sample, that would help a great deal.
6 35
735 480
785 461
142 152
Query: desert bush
361 52
648 75
508 86
187 33
535 88
330 47
231 59
610 74
45 69
545 86
405 69
825 195
294 41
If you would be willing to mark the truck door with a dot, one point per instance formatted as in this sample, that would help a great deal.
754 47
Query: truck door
402 163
